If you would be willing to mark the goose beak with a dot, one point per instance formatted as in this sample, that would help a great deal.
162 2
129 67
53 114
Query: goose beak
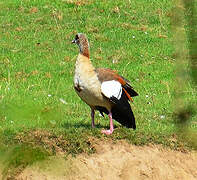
74 41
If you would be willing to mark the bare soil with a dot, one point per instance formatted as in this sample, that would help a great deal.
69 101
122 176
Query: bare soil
120 161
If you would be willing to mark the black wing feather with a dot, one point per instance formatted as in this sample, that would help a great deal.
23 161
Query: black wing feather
121 111
130 90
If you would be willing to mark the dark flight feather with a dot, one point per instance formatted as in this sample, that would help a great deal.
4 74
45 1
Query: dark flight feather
130 90
121 111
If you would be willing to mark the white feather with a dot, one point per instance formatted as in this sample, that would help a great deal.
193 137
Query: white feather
111 88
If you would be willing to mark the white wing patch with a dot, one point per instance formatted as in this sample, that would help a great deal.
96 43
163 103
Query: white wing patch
111 88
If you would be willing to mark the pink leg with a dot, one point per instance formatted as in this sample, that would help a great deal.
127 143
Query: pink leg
110 131
92 116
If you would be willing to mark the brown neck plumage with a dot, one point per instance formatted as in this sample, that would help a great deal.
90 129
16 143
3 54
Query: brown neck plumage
84 48
85 52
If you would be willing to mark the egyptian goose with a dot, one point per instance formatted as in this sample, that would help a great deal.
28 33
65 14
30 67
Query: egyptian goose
102 89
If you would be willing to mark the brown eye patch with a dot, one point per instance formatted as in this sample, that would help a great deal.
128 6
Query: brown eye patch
76 37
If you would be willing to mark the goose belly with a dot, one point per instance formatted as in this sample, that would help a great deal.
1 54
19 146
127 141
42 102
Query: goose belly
90 91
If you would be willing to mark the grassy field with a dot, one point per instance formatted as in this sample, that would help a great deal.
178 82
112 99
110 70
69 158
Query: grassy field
38 105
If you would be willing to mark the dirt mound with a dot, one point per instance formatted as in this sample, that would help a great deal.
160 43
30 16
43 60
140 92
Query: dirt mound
119 161
125 162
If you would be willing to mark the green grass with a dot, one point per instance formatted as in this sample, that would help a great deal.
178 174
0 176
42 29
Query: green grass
37 64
